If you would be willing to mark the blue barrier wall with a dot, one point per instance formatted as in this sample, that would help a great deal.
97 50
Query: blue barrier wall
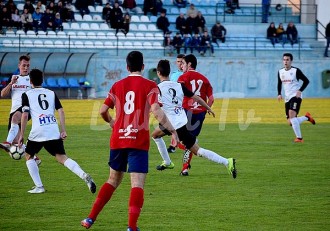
232 77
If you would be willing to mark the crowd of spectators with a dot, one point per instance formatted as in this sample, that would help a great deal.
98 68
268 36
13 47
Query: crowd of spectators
280 35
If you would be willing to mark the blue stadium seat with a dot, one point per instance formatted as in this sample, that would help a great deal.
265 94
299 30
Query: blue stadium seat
51 82
73 82
62 83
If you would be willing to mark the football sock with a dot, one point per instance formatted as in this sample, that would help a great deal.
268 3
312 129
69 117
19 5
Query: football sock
302 119
74 167
102 198
187 156
296 127
212 156
13 131
162 150
135 205
34 172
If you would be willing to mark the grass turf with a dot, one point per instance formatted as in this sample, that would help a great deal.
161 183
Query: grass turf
280 185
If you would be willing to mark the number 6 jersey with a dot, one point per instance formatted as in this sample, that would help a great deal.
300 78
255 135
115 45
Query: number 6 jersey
41 104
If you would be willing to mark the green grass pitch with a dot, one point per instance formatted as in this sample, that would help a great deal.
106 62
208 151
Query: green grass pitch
280 185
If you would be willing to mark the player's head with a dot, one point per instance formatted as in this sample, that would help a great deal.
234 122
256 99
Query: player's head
287 60
134 61
163 68
36 77
189 62
179 61
24 64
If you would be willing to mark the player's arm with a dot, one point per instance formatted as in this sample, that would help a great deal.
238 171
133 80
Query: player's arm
61 115
24 118
210 97
199 100
6 91
104 112
279 87
302 77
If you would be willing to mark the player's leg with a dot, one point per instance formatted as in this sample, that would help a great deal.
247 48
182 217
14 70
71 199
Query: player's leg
294 106
138 169
13 130
157 135
31 149
118 165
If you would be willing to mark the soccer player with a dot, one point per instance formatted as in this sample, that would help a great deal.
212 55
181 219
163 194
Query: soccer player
130 141
174 77
289 77
17 85
200 85
171 98
41 104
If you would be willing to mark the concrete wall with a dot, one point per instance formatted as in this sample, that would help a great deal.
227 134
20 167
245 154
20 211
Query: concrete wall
231 77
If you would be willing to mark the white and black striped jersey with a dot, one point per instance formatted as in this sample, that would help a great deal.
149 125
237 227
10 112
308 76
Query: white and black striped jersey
22 85
41 103
171 98
290 81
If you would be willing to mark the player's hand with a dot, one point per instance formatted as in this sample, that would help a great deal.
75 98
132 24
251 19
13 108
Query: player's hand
63 135
279 98
210 112
111 123
298 94
20 141
14 79
175 139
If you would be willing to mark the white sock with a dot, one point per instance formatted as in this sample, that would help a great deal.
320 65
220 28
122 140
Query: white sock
34 172
302 119
162 150
212 156
296 127
13 131
74 167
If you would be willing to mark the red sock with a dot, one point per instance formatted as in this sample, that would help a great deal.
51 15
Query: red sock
103 197
135 205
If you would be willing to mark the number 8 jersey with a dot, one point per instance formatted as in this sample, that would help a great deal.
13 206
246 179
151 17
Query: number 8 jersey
41 104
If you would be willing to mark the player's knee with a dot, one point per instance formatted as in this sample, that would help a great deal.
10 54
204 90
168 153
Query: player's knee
16 119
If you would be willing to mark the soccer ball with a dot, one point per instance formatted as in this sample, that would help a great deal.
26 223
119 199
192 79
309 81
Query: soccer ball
16 152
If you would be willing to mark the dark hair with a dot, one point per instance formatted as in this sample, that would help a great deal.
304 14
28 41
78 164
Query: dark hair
24 57
180 56
164 67
134 61
36 77
191 59
289 55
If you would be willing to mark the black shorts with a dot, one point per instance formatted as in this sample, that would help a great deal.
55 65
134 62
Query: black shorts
293 104
11 116
186 137
52 146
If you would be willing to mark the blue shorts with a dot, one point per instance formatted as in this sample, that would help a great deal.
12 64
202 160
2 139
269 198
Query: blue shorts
195 122
136 159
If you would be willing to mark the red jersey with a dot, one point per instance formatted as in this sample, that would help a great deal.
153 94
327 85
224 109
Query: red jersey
198 84
132 97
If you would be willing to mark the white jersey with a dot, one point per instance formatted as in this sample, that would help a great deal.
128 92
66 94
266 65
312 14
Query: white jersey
171 98
41 104
290 81
22 85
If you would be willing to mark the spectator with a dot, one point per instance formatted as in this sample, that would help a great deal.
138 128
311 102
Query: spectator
16 20
36 16
82 6
292 33
27 21
218 32
41 7
281 34
11 6
5 19
327 36
28 5
150 6
206 44
192 11
187 43
163 23
180 24
168 44
180 3
177 42
195 43
125 24
271 33
116 17
200 22
52 8
69 11
265 10
58 22
47 20
232 5
130 6
106 13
